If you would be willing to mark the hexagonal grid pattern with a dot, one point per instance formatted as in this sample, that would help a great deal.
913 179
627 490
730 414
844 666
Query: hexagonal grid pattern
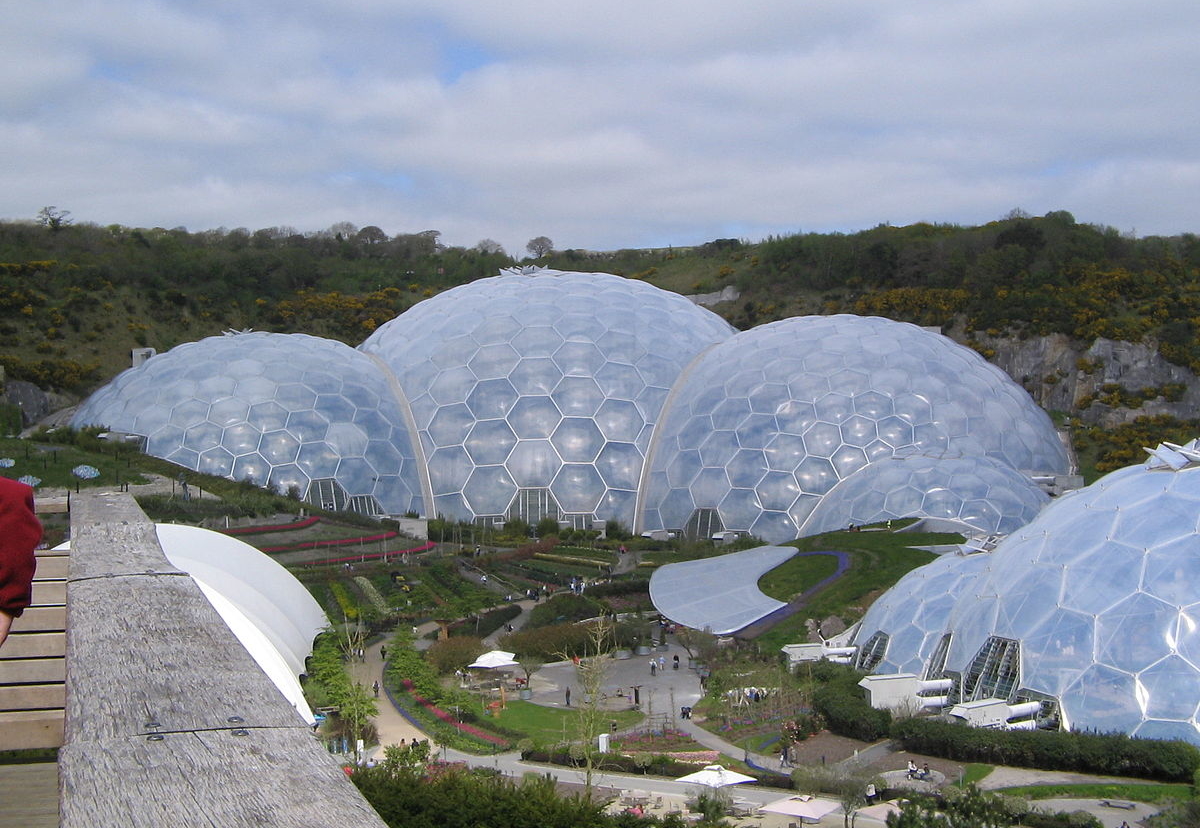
977 493
278 409
818 398
915 611
552 381
1101 592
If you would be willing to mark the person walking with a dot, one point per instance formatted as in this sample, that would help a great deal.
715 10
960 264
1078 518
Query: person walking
375 687
653 667
568 696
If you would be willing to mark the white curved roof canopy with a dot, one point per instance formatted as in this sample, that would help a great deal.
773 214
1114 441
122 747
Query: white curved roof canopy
260 588
271 613
721 593
274 617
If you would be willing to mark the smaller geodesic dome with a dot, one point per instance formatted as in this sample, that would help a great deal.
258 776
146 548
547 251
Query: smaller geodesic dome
903 628
284 410
1092 607
973 495
764 426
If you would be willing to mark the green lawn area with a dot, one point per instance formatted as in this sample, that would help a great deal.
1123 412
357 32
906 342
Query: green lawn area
549 725
877 561
973 773
796 575
52 464
1134 791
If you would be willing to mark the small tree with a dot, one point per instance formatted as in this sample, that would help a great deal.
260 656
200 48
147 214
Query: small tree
54 218
590 673
529 665
357 707
539 247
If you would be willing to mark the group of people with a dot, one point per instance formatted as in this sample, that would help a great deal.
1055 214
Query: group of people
917 773
660 663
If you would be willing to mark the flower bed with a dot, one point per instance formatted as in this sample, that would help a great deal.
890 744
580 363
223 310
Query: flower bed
320 544
279 527
370 556
450 720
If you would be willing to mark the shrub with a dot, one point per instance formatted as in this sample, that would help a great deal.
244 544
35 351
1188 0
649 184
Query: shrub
454 653
1112 754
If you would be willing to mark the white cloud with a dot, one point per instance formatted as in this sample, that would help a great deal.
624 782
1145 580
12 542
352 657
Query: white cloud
600 125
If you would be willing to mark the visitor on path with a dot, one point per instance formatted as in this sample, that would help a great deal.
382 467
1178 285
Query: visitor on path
568 695
20 532
675 662
653 667
375 687
383 653
662 663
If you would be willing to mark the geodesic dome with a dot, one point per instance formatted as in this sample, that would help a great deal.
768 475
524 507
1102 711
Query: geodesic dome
546 395
536 395
281 410
903 628
766 424
975 494
1094 605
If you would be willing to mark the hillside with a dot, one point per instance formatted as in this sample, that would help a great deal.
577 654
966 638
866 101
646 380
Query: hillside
1091 321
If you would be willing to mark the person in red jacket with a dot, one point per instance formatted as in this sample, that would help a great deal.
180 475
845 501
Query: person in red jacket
20 532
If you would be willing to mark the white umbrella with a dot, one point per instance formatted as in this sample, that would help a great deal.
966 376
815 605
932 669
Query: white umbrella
715 776
805 807
496 658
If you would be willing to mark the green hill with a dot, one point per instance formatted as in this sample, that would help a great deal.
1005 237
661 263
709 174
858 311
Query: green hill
75 299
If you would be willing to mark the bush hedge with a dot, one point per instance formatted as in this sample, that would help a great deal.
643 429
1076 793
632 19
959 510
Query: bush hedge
840 702
1111 754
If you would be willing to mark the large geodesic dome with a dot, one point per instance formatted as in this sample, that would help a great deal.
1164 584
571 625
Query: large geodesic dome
537 395
1093 607
284 410
766 424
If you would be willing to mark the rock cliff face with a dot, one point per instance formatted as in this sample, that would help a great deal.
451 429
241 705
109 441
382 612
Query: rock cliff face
1059 373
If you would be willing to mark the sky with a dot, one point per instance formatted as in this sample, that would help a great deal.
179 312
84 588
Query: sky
603 125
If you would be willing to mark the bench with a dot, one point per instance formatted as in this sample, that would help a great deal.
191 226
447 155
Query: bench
1116 803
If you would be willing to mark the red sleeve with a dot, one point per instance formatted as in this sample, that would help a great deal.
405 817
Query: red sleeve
20 532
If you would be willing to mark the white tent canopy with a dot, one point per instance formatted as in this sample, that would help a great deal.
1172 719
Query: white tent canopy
805 807
494 658
715 776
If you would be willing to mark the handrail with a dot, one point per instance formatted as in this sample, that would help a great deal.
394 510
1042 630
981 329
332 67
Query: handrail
169 721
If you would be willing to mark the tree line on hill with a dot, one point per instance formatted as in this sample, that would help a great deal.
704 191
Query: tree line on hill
71 294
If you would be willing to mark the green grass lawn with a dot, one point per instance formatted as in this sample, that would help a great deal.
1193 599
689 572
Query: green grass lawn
973 773
52 464
549 725
796 575
1135 792
877 561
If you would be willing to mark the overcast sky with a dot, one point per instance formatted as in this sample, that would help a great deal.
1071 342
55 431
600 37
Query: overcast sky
601 125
